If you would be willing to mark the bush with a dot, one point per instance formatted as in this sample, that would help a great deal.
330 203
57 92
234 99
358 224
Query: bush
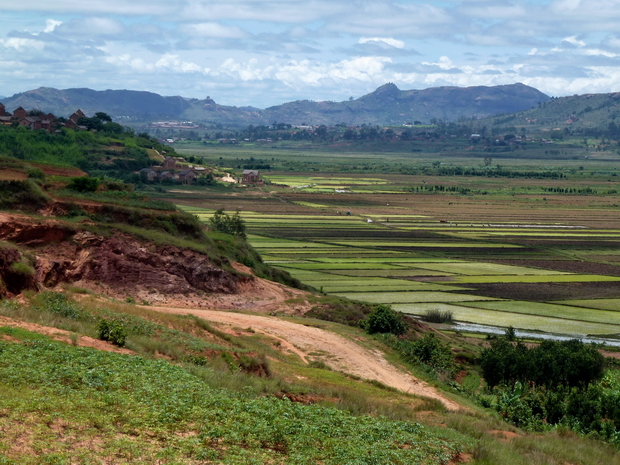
22 195
227 224
83 184
383 319
437 316
35 173
22 269
429 351
58 303
112 331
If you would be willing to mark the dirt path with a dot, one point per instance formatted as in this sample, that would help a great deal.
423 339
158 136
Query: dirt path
340 353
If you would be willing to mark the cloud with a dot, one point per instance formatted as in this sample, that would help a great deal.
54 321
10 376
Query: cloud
168 62
376 49
573 41
92 27
51 24
297 74
215 30
385 40
22 44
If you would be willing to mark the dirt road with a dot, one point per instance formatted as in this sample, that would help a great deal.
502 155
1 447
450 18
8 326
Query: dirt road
338 352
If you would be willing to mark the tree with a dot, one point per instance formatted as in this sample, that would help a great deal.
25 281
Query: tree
224 223
383 319
83 184
101 116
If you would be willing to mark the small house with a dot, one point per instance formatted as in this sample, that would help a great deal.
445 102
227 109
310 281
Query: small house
250 177
169 163
187 176
149 174
75 117
20 113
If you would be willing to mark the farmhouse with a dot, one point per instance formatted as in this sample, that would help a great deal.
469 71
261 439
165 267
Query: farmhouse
169 163
149 174
251 177
187 176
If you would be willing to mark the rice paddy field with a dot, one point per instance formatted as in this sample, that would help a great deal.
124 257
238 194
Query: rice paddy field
514 258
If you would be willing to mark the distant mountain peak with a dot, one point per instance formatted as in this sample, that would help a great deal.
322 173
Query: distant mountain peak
386 105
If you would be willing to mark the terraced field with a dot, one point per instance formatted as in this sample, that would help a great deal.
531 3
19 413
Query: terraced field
417 263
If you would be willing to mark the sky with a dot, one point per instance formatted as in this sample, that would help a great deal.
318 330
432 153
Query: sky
266 52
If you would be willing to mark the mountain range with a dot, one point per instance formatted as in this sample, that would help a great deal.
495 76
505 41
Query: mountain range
386 105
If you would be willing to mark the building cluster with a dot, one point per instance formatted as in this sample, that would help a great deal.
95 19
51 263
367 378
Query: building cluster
169 171
39 120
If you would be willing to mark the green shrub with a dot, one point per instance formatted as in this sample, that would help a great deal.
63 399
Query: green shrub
429 351
383 319
35 173
22 195
58 303
438 316
227 224
22 268
112 331
83 184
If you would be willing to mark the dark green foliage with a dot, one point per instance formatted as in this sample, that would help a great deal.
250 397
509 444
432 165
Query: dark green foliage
429 351
227 224
438 316
40 146
383 319
112 331
58 303
179 224
339 310
22 195
83 184
566 363
35 173
553 383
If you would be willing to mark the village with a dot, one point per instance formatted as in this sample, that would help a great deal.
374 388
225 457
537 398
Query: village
171 170
174 170
36 119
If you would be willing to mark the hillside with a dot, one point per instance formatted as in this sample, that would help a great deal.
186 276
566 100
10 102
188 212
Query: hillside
589 114
390 105
386 105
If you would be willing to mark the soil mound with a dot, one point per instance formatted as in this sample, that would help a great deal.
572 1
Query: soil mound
50 254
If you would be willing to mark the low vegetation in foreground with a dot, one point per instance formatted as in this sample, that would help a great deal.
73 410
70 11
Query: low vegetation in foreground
190 393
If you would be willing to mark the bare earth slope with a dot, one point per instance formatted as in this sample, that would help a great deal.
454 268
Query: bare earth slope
343 354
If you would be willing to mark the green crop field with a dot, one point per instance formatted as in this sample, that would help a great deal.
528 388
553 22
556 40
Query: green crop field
553 311
403 286
517 320
601 304
390 273
422 247
485 269
344 266
558 278
411 297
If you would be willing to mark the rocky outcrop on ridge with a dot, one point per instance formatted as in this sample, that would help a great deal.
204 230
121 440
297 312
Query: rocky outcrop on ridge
51 254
